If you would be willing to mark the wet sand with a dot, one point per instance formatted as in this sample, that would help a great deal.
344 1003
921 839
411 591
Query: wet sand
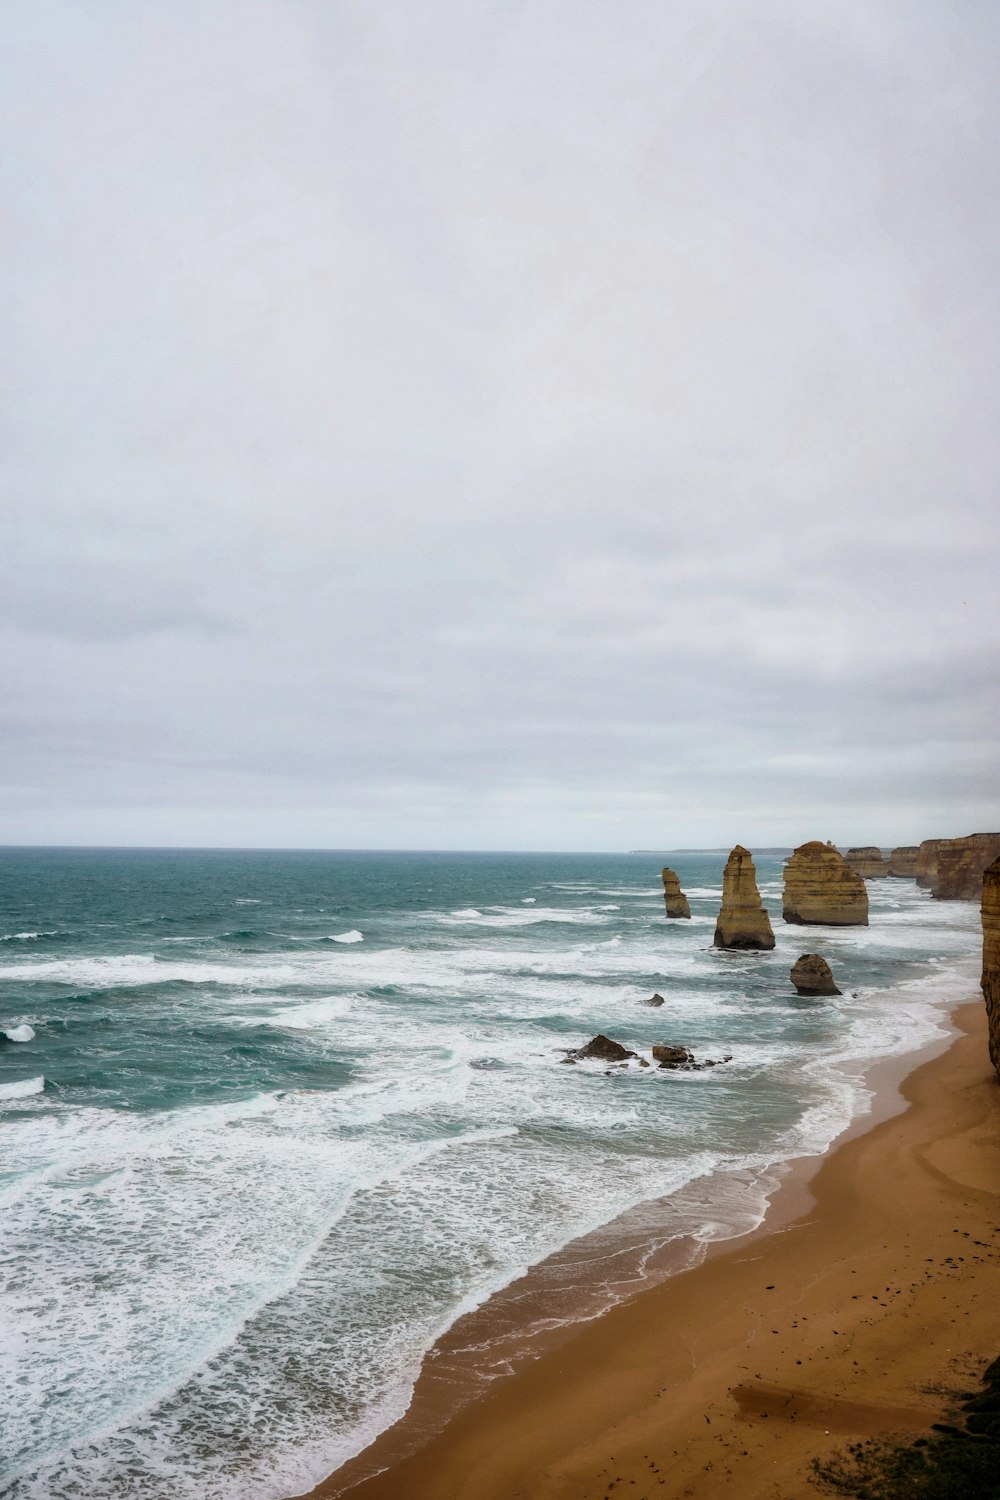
863 1302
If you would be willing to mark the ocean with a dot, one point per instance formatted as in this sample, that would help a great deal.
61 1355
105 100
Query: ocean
270 1121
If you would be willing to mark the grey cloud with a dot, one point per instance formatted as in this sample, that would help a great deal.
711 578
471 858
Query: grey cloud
521 424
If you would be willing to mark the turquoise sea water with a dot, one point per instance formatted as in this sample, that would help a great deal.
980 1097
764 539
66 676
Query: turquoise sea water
270 1121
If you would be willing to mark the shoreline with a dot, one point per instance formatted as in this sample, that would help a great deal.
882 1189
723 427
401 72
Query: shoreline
578 1391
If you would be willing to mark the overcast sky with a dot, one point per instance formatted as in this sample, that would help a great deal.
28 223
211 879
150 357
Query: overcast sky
561 424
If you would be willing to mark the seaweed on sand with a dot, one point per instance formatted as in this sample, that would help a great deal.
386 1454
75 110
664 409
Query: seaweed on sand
960 1462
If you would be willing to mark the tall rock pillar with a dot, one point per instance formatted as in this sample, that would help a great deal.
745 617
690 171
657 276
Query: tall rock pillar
743 921
673 896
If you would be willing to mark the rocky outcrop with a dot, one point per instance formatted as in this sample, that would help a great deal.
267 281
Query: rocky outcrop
822 889
743 922
960 866
991 956
903 861
927 857
656 999
811 975
603 1049
669 1056
673 896
683 1060
868 862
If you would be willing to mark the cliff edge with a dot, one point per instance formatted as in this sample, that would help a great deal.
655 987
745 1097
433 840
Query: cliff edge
991 956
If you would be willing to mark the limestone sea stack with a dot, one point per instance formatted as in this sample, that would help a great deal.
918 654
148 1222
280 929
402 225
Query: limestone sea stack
673 896
903 861
960 866
811 975
868 862
821 888
743 921
991 956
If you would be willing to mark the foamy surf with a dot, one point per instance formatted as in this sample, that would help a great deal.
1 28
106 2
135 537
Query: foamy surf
242 1147
22 1088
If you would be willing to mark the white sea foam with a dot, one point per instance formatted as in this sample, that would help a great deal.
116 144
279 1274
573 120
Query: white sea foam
354 936
22 1033
271 1270
21 1088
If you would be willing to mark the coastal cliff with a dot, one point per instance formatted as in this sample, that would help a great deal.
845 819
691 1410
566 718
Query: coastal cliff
903 861
674 898
960 866
991 956
821 888
927 858
743 921
868 862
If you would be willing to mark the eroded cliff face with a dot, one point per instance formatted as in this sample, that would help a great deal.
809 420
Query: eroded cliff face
960 866
927 858
674 898
743 921
991 956
868 862
903 861
821 888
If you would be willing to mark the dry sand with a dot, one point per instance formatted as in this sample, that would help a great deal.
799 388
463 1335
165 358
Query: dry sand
855 1319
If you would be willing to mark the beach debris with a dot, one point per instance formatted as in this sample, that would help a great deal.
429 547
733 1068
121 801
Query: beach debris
821 887
674 898
812 975
743 921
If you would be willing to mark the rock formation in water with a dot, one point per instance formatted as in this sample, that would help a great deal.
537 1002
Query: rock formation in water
673 896
991 956
682 1059
868 862
656 999
743 921
811 975
603 1048
927 856
903 861
821 888
960 866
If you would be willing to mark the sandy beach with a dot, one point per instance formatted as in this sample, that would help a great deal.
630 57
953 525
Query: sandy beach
861 1305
